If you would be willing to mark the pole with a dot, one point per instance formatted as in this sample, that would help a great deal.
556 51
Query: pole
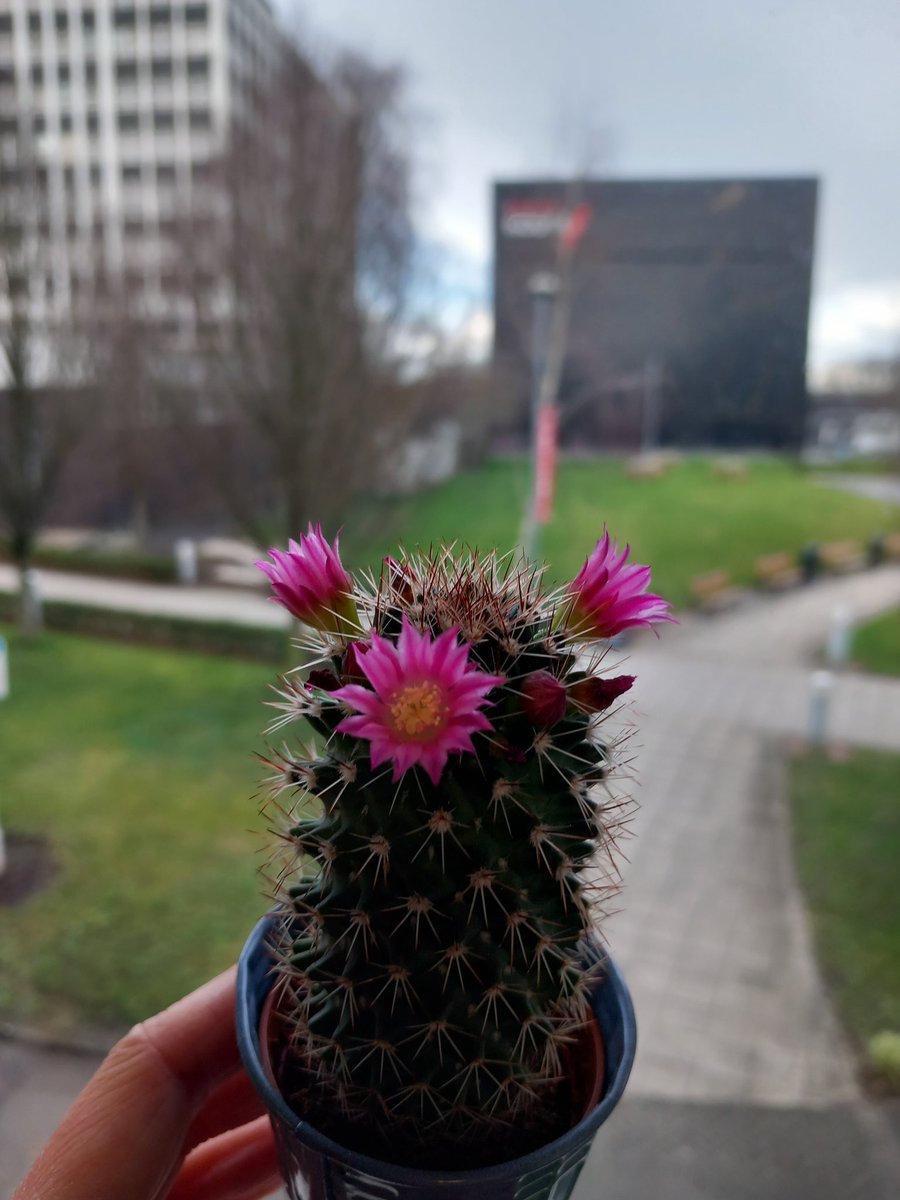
543 289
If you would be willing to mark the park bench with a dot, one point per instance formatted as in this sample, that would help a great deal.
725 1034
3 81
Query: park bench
729 468
892 546
840 557
715 591
646 466
777 570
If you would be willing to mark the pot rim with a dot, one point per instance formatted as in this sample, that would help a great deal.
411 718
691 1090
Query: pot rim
249 1045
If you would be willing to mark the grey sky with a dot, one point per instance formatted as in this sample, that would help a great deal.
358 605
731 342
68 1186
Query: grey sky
677 87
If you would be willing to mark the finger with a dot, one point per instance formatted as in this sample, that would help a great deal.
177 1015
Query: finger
122 1139
238 1165
233 1103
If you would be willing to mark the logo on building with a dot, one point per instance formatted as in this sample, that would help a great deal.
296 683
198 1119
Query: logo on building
535 218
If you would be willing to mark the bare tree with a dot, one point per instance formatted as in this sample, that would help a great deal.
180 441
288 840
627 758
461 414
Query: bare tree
38 425
299 263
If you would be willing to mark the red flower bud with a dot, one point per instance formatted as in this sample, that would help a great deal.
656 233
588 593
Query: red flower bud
595 694
543 699
350 666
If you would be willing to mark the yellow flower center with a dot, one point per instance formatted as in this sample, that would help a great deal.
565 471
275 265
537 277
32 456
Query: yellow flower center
418 710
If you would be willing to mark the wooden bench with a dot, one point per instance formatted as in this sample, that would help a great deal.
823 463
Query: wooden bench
891 545
841 557
715 591
729 468
777 571
646 466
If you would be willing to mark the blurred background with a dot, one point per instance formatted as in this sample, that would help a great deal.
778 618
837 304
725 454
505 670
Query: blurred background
497 273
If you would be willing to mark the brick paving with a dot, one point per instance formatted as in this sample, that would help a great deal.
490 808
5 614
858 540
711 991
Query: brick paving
712 936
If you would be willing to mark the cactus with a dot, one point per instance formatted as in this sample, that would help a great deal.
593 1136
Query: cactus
447 845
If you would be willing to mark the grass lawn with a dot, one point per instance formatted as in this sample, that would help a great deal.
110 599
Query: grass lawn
137 763
684 524
876 645
847 838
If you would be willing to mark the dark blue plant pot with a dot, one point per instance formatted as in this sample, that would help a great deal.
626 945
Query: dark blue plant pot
316 1168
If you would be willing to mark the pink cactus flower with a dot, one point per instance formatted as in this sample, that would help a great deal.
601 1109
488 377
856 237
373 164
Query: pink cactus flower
424 703
309 579
543 699
609 594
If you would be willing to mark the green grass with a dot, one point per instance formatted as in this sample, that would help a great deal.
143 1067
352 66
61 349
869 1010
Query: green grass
684 524
137 764
876 645
847 837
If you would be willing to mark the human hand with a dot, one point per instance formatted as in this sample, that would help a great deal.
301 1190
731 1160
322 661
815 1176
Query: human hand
168 1116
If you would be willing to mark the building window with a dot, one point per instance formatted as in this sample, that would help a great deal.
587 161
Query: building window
131 173
133 226
90 73
124 18
34 22
199 118
161 68
198 67
69 178
37 74
195 14
61 21
93 124
126 70
165 172
128 122
11 125
160 14
64 73
163 120
7 73
65 123
88 20
5 22
38 124
96 172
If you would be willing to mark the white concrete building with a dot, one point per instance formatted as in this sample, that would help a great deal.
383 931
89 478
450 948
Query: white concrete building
120 105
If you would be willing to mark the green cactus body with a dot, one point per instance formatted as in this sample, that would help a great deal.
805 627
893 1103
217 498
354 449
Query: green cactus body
431 951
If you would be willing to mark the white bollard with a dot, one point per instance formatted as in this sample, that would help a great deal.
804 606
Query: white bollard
186 560
840 637
820 688
4 669
32 601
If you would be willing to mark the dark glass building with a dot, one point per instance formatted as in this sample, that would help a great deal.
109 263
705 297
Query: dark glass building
689 307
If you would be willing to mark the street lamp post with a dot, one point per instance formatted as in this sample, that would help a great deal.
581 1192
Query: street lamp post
543 289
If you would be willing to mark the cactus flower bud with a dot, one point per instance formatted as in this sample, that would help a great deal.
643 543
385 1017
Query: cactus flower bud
309 579
595 694
543 699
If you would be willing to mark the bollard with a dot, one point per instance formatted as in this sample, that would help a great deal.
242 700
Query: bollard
186 560
820 686
840 637
32 601
4 669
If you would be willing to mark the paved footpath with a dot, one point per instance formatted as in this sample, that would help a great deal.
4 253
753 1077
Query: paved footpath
744 1085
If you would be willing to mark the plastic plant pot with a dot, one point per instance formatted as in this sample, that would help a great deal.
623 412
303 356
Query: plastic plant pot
315 1167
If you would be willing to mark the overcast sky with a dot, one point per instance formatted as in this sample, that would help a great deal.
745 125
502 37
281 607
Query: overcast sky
670 88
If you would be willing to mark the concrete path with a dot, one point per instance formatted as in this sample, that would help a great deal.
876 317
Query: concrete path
885 488
744 1085
199 603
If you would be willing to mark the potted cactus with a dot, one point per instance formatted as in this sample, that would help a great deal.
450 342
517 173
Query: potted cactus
428 1010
